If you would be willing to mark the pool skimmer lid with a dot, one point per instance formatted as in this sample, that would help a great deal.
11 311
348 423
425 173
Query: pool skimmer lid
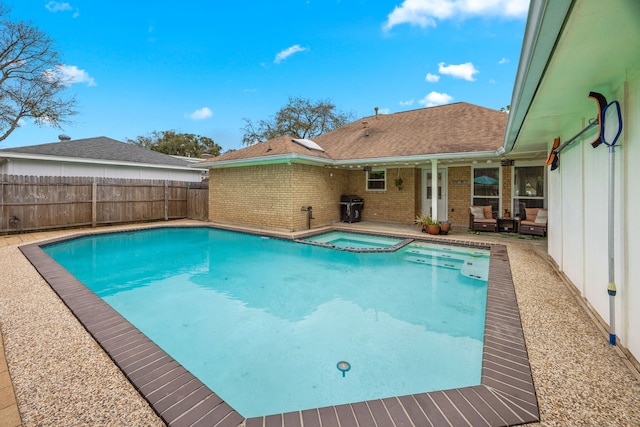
343 367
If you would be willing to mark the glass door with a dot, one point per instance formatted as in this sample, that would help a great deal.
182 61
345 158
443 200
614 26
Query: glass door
428 194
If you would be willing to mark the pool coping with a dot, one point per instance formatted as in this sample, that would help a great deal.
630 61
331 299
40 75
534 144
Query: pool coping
505 396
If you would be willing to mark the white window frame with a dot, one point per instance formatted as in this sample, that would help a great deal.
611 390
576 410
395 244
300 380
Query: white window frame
499 196
524 164
383 180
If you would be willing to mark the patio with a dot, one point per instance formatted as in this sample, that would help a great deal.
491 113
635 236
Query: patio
62 377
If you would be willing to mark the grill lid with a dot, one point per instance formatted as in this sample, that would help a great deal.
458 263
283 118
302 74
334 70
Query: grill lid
351 198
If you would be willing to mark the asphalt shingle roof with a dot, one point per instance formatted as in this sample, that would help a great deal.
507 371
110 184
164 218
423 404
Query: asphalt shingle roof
274 147
452 128
100 148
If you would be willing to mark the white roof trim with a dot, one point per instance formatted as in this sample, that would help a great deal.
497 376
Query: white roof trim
544 25
279 158
301 158
418 158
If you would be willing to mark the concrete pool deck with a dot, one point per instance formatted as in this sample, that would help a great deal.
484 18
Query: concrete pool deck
62 377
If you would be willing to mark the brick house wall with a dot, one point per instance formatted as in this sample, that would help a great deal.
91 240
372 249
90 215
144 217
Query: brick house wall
320 188
392 204
272 196
254 195
506 190
417 192
459 196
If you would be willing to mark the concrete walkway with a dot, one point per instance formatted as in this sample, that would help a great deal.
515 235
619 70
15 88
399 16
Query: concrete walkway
62 377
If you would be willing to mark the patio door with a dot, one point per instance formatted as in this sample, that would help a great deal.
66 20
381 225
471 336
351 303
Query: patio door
427 193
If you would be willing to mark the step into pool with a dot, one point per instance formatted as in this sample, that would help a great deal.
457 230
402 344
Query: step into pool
471 262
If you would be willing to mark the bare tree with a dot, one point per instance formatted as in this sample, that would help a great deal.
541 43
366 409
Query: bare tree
30 86
299 118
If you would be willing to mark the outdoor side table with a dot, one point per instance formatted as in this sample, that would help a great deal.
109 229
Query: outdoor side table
508 225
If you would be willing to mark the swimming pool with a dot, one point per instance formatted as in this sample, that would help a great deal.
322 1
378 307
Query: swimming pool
378 311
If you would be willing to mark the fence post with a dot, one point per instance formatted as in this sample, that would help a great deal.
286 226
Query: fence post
188 212
166 200
94 203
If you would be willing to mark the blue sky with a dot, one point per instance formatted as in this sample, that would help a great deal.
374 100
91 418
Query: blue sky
199 66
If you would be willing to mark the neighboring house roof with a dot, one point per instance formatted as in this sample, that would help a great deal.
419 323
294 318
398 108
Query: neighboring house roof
453 129
97 149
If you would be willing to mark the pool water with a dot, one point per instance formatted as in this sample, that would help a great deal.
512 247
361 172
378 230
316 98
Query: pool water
264 322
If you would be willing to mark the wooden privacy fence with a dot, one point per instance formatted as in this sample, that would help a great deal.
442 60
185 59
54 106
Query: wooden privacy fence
29 203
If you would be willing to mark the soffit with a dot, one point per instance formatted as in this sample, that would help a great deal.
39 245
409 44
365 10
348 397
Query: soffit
596 51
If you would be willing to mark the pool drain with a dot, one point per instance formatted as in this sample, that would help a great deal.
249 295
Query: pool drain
343 367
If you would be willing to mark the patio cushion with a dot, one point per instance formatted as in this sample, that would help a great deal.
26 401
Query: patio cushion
541 218
477 212
488 214
531 214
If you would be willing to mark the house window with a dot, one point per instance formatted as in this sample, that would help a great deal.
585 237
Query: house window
486 187
376 180
528 191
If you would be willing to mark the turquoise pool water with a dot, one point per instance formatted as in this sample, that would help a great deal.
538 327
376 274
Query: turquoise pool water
264 322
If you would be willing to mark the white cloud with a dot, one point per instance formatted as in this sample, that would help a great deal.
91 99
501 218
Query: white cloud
406 103
433 78
284 54
201 114
384 111
503 61
425 13
435 98
461 71
59 6
56 6
70 74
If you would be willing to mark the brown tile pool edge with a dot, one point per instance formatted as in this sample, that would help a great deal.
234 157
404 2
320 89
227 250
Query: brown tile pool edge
506 395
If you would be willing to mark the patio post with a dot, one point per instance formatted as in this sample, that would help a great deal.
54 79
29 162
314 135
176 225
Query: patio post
434 189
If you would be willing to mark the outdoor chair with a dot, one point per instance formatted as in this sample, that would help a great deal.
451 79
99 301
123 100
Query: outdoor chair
482 218
534 222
